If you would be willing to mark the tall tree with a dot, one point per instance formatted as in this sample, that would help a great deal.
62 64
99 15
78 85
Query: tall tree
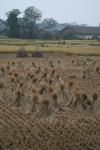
30 20
13 23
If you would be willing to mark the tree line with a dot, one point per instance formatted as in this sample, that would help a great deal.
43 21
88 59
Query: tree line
28 26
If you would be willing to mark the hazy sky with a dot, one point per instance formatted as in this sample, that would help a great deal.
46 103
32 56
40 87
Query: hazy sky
80 11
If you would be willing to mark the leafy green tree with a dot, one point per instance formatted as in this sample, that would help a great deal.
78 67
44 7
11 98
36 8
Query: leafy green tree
30 22
49 23
13 23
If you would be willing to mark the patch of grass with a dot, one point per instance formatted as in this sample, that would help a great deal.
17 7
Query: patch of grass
8 45
31 48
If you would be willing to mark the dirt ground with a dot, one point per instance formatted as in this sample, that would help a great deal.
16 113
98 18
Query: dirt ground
50 103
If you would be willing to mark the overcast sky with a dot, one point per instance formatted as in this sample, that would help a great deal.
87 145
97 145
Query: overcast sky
80 11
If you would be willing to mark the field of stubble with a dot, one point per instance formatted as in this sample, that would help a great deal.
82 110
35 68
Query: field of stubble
50 103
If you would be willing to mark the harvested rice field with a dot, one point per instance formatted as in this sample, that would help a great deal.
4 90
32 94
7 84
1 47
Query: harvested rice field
50 103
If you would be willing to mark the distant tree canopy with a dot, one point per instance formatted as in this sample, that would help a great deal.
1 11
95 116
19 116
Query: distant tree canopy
30 20
13 24
25 27
49 23
29 26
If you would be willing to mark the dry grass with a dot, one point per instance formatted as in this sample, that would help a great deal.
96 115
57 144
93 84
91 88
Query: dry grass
71 46
46 104
87 50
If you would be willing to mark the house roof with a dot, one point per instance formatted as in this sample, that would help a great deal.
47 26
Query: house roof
83 29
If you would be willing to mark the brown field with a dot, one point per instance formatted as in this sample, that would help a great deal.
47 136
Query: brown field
50 103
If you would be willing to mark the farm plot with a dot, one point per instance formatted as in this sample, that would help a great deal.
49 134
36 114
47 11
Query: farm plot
86 47
50 103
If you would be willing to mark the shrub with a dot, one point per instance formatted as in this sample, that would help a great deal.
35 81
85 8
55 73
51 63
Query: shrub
37 54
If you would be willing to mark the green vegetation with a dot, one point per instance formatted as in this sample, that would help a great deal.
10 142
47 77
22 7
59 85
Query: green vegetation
12 22
10 45
25 27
